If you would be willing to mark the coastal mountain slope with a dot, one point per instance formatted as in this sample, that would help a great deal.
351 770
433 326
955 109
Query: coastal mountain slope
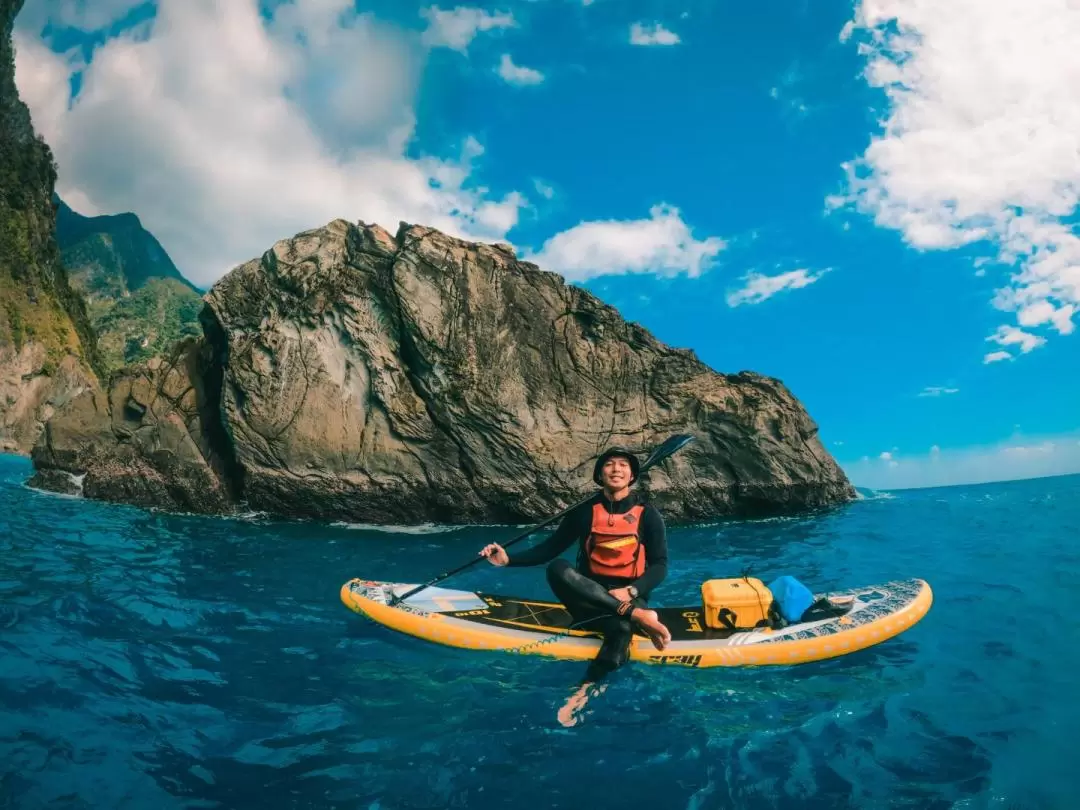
48 351
351 374
138 302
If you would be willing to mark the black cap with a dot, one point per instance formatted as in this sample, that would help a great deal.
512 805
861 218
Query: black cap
615 451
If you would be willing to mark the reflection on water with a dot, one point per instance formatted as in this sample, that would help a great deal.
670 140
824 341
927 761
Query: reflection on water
153 660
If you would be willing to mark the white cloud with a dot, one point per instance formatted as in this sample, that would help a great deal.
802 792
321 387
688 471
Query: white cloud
1042 311
654 34
887 457
1010 335
786 91
456 28
996 357
982 139
760 287
84 15
661 244
1015 458
937 391
1028 449
278 126
42 76
544 190
517 74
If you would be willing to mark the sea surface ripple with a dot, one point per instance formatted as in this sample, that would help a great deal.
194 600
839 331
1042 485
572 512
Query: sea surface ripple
150 660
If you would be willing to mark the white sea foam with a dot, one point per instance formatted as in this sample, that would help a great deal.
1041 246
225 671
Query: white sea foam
874 495
422 528
426 528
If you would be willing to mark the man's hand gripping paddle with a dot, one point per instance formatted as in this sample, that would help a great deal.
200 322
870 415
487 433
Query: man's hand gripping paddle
670 446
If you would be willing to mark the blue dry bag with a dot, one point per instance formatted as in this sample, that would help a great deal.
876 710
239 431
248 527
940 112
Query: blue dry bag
792 597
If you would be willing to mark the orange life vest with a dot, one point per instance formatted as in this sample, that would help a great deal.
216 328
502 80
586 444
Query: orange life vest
613 547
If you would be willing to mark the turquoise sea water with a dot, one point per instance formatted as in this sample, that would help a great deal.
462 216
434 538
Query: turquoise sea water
160 661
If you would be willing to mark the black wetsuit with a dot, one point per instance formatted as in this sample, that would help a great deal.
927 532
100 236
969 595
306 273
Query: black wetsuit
584 593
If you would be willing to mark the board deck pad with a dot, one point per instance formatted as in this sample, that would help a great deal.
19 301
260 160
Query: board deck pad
685 623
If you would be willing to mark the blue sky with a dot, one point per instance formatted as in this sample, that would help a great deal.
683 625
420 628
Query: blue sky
666 156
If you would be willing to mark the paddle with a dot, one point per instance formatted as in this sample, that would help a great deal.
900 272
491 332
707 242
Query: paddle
670 446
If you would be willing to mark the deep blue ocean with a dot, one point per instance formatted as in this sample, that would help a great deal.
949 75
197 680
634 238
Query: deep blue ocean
158 661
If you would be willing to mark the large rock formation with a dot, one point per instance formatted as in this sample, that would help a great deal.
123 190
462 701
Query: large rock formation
48 352
138 302
148 440
350 374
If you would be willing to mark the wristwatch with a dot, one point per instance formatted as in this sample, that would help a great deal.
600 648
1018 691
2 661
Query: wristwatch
632 591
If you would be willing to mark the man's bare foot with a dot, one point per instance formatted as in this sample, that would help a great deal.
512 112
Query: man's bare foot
649 621
569 714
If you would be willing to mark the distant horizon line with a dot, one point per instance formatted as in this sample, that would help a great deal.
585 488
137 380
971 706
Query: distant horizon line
966 483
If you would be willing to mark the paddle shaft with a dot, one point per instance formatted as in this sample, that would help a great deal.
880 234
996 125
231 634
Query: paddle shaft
474 561
669 447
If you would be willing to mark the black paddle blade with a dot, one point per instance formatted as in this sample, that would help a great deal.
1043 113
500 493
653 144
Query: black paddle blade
671 445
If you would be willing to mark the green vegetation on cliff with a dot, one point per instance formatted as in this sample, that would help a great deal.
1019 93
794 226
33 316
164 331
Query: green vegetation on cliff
148 322
36 301
139 303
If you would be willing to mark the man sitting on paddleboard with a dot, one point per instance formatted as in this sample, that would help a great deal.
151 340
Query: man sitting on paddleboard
622 557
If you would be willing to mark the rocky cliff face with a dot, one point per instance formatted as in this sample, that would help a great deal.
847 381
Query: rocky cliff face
138 302
350 374
48 352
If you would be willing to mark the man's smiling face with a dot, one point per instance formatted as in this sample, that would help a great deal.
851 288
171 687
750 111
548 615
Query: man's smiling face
616 473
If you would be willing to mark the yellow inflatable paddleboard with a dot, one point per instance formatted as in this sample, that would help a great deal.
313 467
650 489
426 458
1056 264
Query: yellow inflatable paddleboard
854 620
